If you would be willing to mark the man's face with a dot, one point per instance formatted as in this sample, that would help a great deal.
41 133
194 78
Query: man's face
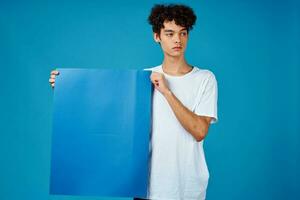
173 39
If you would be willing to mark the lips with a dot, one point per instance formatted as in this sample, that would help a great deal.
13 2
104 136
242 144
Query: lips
176 47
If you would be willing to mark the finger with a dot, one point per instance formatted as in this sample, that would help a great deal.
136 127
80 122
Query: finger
158 74
154 80
155 83
154 74
51 80
55 72
157 77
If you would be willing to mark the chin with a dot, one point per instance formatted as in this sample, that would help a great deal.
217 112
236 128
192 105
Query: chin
176 54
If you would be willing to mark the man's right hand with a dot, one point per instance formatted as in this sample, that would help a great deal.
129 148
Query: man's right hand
53 75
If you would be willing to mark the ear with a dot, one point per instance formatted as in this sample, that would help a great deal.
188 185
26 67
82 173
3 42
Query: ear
156 37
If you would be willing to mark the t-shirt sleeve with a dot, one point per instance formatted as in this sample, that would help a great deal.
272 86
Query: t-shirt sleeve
207 100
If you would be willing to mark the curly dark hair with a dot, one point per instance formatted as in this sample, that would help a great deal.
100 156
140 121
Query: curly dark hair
182 15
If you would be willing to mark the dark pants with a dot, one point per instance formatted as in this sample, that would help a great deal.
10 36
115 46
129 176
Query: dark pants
135 198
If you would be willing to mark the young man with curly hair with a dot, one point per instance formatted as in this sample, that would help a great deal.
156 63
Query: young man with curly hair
184 106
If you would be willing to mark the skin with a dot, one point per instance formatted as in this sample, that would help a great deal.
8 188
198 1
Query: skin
53 75
174 63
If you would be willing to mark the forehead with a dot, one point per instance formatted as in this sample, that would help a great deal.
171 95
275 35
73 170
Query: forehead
171 25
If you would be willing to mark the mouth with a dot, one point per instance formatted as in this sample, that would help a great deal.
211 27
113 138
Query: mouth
177 48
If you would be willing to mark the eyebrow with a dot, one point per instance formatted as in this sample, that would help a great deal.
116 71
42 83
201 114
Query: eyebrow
169 30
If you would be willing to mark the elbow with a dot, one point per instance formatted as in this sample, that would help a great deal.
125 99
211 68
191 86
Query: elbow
200 134
199 137
200 129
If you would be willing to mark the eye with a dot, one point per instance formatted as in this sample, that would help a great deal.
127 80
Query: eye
183 33
169 34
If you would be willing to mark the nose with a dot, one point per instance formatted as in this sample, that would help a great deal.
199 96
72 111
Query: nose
177 38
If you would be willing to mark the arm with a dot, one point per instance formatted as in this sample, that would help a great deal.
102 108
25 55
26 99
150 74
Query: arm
196 125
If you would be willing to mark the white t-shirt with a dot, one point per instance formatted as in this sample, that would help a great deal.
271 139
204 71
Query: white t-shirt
178 169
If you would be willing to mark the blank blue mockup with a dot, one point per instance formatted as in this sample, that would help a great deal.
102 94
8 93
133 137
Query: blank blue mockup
101 132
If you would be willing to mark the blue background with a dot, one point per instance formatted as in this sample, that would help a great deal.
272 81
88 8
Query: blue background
252 47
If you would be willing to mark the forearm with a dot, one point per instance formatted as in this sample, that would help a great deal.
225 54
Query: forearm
191 122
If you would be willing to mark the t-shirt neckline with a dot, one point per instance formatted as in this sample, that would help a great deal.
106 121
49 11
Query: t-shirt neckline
182 76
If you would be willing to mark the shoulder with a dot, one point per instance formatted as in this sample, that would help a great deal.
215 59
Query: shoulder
205 74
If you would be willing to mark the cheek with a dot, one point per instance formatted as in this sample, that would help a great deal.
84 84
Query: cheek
166 45
184 40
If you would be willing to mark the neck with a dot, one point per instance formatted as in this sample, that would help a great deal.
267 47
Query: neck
175 65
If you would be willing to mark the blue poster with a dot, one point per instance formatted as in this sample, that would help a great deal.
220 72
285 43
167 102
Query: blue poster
101 133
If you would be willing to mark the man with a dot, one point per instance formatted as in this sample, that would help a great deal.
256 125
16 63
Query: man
184 106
